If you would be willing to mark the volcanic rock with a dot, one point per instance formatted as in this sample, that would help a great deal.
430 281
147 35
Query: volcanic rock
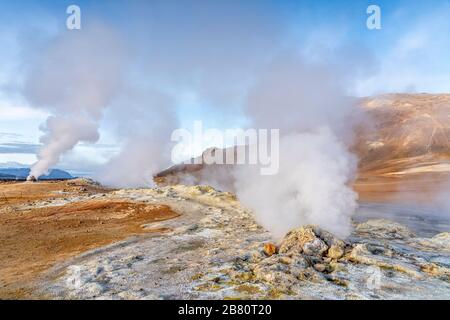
269 249
385 229
312 241
315 248
320 267
335 252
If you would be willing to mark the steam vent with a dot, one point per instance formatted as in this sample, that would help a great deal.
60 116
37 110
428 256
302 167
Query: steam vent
31 178
217 151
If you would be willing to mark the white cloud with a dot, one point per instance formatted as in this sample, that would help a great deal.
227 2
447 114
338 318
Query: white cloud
11 112
22 158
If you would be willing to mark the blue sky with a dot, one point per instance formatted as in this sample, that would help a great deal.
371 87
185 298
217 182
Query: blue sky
177 46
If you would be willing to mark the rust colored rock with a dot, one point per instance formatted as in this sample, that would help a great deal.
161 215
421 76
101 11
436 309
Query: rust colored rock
270 249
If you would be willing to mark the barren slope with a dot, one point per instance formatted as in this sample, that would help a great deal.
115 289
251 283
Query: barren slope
405 151
406 131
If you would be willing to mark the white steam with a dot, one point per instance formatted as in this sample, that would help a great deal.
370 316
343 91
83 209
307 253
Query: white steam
61 135
308 104
223 54
312 186
145 119
75 77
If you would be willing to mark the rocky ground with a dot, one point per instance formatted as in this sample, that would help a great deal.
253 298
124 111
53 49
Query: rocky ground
78 240
216 250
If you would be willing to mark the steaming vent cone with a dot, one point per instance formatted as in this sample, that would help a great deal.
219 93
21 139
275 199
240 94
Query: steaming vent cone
31 178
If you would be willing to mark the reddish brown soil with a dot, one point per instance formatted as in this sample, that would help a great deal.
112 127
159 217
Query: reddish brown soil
33 240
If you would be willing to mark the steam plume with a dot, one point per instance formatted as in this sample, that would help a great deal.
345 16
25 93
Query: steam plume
228 56
75 78
307 103
310 188
145 119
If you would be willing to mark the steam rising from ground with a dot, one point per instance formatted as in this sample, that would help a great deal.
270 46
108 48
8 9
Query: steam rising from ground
308 103
80 74
75 77
312 186
61 135
147 119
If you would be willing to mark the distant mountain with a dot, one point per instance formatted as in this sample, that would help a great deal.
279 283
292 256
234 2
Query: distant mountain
22 174
4 176
404 131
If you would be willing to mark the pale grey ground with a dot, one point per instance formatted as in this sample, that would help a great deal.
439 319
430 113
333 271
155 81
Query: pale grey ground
215 252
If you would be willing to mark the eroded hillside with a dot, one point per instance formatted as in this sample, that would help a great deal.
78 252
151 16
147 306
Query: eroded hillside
406 133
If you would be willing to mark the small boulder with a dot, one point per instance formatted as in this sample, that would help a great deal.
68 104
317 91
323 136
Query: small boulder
255 256
270 249
335 252
285 260
293 242
320 267
384 229
315 248
312 241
